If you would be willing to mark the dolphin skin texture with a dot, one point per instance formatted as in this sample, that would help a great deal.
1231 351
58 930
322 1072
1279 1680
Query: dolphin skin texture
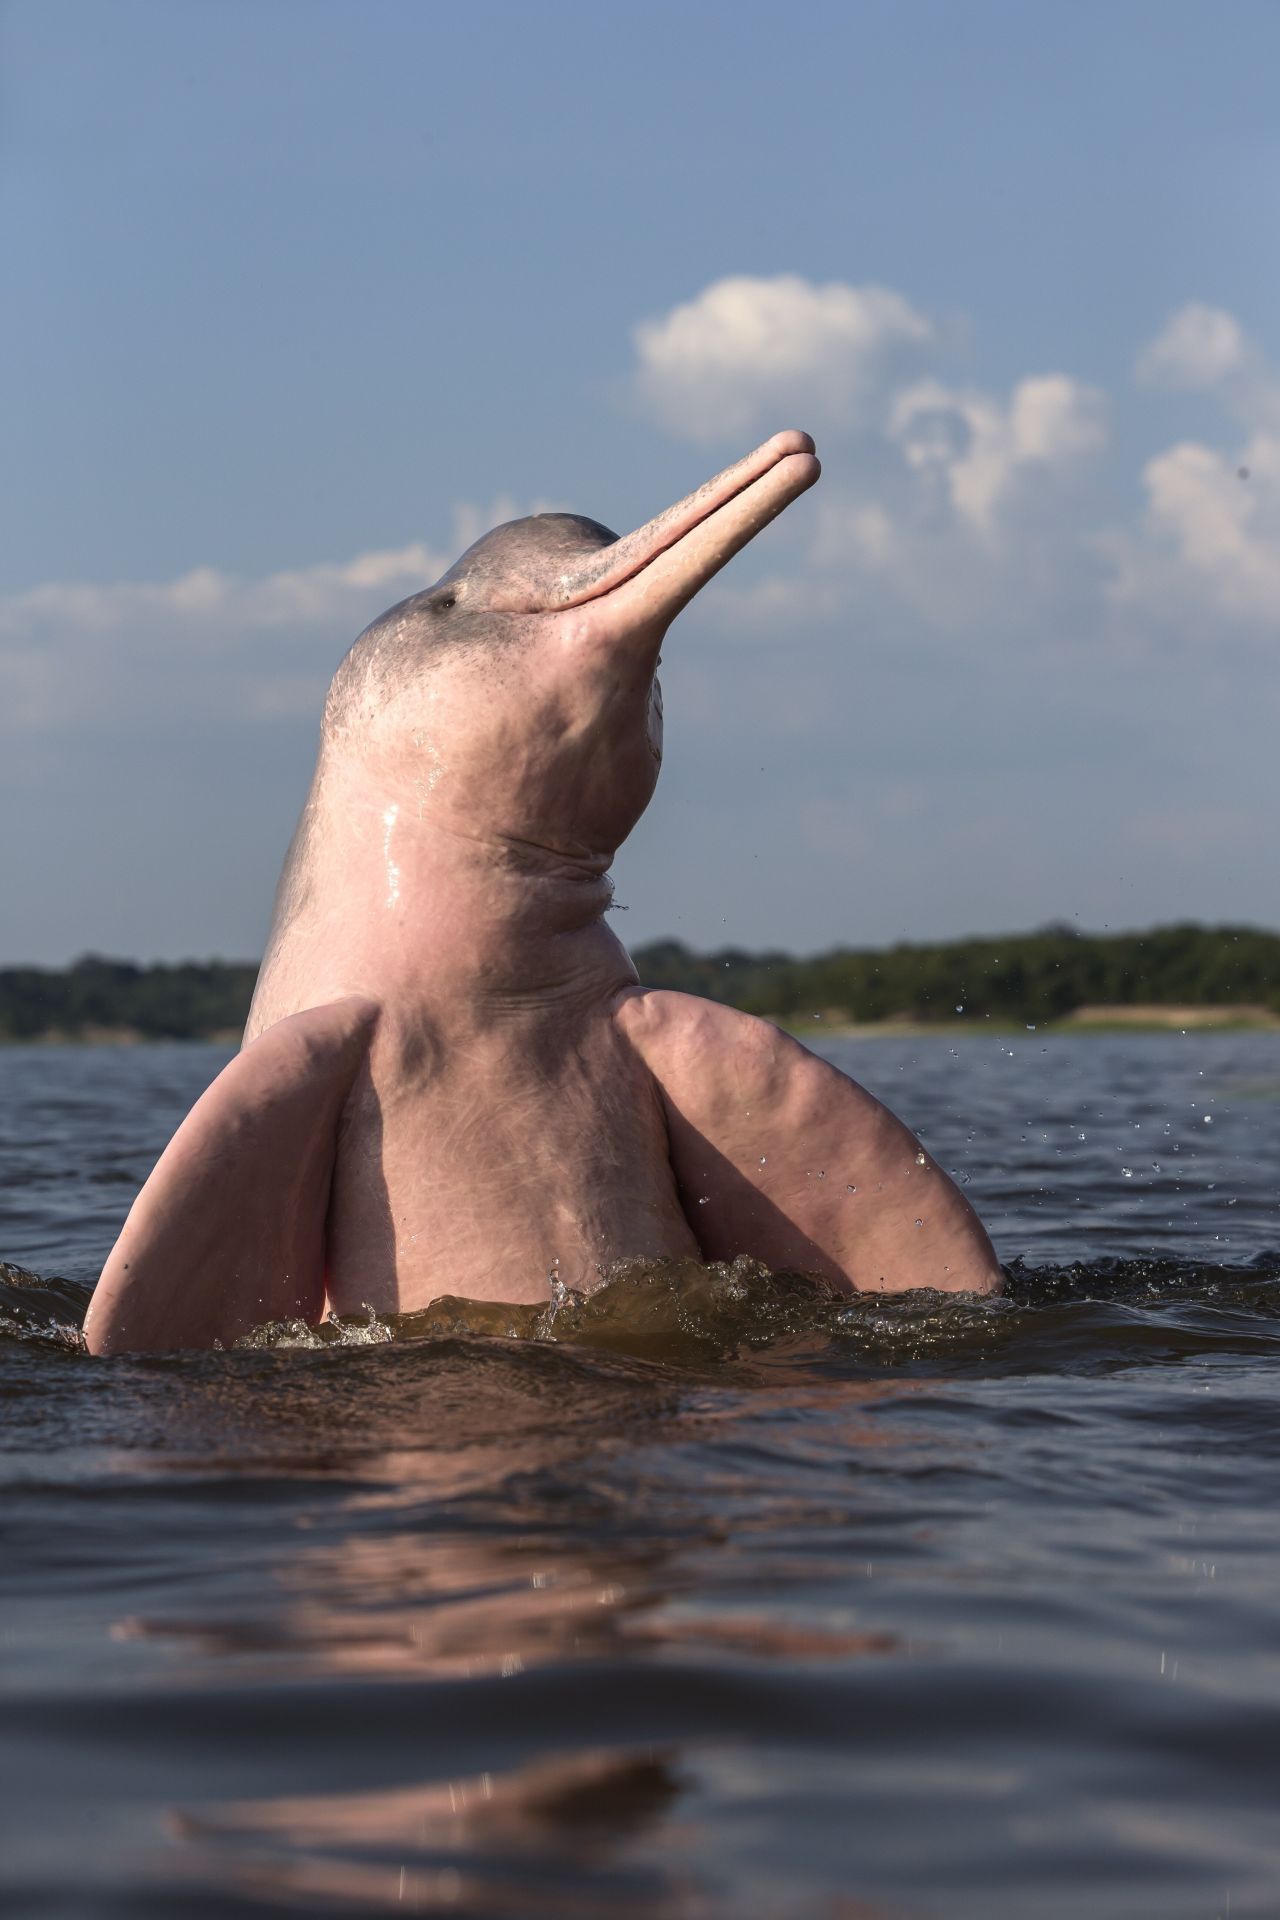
452 1081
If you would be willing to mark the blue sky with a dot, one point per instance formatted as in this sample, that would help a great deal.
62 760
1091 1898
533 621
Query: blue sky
301 297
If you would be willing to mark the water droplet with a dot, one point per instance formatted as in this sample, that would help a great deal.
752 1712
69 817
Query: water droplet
920 1160
1080 1136
763 1158
919 1223
960 1008
851 1188
1127 1172
1031 1026
703 1199
1208 1119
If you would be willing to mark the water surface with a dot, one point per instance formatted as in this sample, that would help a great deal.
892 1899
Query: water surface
706 1596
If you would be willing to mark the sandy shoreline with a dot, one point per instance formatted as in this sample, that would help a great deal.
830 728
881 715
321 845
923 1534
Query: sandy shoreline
1097 1019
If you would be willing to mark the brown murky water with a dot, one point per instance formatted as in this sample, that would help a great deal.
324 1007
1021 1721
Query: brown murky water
704 1596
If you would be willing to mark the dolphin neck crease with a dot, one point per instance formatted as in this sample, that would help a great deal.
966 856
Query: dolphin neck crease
398 856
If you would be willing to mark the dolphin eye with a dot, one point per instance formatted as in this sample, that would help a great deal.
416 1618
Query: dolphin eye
448 601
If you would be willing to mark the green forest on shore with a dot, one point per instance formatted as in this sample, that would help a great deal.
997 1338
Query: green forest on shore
1049 976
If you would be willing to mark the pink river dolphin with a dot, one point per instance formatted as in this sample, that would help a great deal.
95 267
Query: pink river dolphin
452 1080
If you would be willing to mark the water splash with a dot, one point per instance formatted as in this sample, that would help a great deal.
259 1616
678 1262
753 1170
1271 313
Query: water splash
389 819
682 1314
41 1312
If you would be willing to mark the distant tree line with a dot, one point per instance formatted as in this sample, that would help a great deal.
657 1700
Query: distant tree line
1019 977
1035 977
187 1002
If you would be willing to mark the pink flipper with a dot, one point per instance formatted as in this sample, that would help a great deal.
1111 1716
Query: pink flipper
229 1230
781 1156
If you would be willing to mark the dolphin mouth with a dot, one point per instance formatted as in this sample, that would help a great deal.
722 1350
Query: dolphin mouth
664 563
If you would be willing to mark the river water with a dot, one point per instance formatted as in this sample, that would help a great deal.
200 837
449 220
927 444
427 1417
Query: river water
706 1596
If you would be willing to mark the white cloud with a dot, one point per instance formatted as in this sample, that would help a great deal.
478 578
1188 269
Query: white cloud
965 505
206 643
977 451
958 504
1198 347
747 351
1211 538
869 530
970 511
310 595
1209 543
1205 349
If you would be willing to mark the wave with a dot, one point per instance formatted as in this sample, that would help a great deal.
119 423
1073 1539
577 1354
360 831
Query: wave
684 1315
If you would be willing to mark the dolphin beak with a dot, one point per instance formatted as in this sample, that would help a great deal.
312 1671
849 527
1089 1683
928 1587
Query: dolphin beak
657 570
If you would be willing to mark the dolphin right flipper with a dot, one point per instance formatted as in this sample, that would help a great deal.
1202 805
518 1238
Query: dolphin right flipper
779 1155
229 1230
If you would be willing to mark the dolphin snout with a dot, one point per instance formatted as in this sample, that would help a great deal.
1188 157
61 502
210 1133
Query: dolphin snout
664 563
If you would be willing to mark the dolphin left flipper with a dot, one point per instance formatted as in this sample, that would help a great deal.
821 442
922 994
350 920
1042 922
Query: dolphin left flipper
229 1230
779 1155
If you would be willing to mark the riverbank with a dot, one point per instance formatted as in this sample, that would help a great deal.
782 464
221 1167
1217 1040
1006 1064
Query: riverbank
1185 977
1099 1019
100 1036
834 1022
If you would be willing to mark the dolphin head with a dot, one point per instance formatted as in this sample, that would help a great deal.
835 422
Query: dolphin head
518 695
